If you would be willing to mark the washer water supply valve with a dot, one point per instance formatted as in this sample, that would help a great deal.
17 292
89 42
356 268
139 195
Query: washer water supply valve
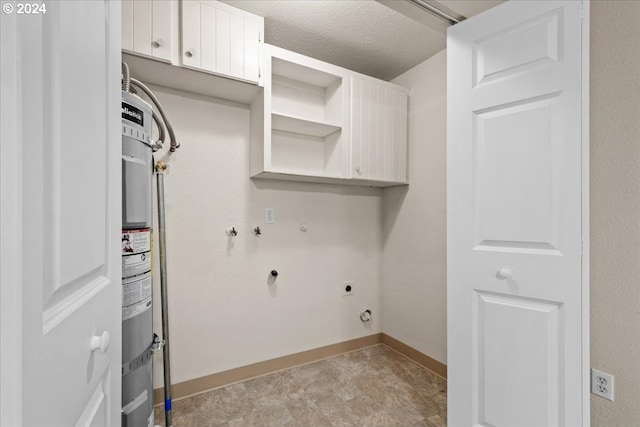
273 274
257 231
365 315
232 232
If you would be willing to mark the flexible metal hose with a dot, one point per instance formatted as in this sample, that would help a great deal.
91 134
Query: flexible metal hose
161 134
173 143
126 78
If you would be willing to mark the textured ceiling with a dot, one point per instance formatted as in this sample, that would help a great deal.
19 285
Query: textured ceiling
361 35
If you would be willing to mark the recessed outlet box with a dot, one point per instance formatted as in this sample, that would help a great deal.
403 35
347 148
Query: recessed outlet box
347 288
602 384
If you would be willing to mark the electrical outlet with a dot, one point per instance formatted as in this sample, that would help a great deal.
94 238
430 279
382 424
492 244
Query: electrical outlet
602 384
269 216
347 288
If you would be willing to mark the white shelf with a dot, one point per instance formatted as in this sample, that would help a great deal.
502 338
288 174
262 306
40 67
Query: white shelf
292 124
303 73
162 74
307 176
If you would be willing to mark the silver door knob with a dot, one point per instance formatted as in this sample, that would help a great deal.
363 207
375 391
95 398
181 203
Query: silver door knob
158 43
101 343
503 274
190 53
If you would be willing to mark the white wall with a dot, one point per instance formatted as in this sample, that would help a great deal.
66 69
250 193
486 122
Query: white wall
223 315
414 221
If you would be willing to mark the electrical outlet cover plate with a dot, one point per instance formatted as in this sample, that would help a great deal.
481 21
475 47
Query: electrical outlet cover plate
602 384
269 216
345 286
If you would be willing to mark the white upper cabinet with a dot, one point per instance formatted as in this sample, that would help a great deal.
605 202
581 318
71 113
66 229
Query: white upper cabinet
221 39
317 122
378 131
149 27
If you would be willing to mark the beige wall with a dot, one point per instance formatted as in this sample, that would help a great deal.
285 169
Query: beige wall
414 221
615 207
223 314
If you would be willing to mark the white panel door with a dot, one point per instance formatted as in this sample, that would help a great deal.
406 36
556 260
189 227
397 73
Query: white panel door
67 161
517 216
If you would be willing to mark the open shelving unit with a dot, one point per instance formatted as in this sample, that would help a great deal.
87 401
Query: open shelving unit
304 116
309 124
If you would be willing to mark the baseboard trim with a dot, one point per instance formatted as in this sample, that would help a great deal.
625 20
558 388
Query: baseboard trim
202 384
430 363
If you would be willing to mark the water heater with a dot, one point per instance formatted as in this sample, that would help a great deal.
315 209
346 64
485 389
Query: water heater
137 321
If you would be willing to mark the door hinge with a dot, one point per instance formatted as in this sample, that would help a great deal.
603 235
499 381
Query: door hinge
259 72
259 36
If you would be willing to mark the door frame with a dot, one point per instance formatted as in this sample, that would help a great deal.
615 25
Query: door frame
586 314
11 259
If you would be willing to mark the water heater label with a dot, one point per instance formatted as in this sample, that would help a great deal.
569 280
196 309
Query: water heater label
136 296
133 114
136 241
136 272
134 265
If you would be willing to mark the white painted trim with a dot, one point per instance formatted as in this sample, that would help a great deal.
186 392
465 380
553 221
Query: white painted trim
10 225
113 377
586 329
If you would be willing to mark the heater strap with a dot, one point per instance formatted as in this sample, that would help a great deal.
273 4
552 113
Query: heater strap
138 361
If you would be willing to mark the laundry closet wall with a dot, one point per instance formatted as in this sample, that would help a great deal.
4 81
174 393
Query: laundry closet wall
223 314
414 221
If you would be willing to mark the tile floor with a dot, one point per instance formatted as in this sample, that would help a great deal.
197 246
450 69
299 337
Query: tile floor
374 386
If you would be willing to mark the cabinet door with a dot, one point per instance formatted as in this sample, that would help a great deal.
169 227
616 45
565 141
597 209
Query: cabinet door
378 131
127 25
161 28
191 54
222 39
142 26
147 27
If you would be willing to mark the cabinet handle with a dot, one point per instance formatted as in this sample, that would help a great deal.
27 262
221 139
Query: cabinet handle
190 53
358 169
158 43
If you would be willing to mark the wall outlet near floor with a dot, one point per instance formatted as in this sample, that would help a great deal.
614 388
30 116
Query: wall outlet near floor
347 288
602 384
